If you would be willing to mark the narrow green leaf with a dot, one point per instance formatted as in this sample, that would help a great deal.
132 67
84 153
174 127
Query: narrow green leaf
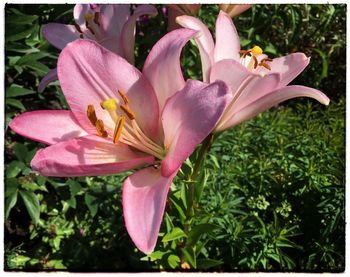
16 90
32 204
15 103
90 202
10 202
207 263
199 230
20 151
21 20
175 233
190 258
39 67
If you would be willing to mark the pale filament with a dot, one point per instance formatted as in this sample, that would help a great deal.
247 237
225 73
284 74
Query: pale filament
131 132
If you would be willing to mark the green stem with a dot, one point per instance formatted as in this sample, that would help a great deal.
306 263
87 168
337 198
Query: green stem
206 145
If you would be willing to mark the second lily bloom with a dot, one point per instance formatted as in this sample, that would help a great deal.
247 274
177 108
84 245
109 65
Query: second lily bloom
256 82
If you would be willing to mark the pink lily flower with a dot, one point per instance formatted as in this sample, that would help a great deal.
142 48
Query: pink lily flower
120 119
256 82
234 9
175 10
111 25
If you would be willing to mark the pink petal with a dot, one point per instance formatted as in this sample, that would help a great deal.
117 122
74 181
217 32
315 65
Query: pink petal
48 127
48 78
289 67
227 44
204 41
162 66
144 198
255 88
113 17
89 74
59 35
87 156
128 32
188 118
113 44
266 102
231 72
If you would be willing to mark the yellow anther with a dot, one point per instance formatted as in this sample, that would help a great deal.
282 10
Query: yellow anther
100 128
91 114
88 17
118 129
256 50
123 96
109 105
128 112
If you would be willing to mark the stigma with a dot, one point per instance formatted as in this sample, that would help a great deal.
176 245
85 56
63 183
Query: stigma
126 129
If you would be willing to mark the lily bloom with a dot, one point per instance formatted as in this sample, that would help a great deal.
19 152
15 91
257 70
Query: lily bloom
120 119
111 25
256 82
234 9
175 10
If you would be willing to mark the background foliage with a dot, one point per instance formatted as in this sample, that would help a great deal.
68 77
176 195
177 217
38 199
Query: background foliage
273 198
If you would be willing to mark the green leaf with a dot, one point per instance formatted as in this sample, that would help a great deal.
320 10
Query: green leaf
324 72
173 261
200 184
15 103
19 33
32 204
190 258
10 202
197 231
74 187
90 201
175 233
16 90
20 151
14 168
207 263
30 58
40 68
72 202
56 264
20 20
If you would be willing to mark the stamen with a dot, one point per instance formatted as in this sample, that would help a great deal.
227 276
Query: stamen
255 62
91 114
264 64
97 18
109 105
123 96
118 129
128 112
77 27
100 128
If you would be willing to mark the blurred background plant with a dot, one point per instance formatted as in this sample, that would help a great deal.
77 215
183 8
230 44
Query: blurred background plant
273 196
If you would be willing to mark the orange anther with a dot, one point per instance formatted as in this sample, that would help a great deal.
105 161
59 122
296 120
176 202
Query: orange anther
128 112
91 114
118 129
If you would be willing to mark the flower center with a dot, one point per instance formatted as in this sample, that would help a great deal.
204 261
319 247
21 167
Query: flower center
250 58
126 131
